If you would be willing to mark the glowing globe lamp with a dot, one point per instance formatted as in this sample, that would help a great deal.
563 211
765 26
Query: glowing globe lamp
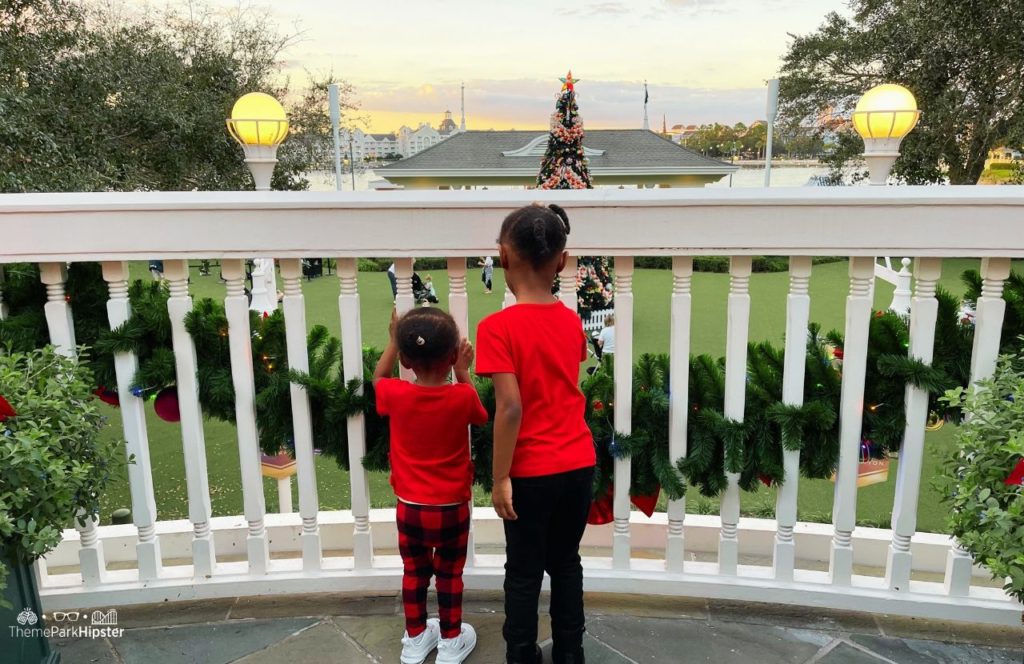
258 119
886 111
883 117
259 124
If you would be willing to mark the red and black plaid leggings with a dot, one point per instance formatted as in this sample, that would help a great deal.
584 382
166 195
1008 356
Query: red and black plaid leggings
432 540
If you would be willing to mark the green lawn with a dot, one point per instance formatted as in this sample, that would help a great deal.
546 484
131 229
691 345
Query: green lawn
652 287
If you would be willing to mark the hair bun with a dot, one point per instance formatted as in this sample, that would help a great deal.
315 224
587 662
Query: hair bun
557 209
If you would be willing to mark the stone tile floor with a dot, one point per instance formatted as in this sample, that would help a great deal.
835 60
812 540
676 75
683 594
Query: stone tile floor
334 628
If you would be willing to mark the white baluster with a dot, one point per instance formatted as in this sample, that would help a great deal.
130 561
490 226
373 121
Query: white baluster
735 400
298 360
458 307
798 308
236 307
623 404
991 307
988 326
567 284
192 438
133 420
58 312
62 335
3 305
851 410
679 400
923 313
352 361
404 301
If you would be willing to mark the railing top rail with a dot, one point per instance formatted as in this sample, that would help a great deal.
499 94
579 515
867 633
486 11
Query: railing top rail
854 221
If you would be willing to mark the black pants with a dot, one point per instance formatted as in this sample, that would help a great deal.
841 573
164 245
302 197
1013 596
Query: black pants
552 511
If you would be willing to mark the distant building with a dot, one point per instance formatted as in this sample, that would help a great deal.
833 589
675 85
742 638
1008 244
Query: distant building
366 146
680 132
635 157
414 141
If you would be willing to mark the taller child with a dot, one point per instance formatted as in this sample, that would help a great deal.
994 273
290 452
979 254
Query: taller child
543 451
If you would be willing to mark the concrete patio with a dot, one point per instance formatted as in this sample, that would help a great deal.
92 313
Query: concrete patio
330 627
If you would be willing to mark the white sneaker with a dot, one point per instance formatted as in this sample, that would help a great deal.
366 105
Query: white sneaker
456 650
415 650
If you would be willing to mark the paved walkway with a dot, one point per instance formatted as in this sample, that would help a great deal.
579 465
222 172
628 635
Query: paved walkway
333 628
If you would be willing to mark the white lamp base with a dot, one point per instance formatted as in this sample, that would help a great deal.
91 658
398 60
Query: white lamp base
880 154
261 160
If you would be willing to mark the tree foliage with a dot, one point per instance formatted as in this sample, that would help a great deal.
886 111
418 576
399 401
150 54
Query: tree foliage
113 101
986 506
964 62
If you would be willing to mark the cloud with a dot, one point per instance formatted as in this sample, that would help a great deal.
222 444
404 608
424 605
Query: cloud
596 9
528 103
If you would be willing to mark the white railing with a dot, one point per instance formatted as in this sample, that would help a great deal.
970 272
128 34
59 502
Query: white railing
317 550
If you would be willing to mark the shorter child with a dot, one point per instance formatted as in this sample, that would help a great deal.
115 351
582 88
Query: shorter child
432 475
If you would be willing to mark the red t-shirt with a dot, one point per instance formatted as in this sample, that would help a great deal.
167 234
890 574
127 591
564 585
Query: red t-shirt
543 345
430 462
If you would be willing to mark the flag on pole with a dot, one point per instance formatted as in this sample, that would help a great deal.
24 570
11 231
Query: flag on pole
645 93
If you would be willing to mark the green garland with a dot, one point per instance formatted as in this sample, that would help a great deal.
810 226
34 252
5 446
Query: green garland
753 449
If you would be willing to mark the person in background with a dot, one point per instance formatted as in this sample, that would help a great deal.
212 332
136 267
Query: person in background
606 339
487 273
156 268
394 281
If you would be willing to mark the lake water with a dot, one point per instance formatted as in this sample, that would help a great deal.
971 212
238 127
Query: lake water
782 176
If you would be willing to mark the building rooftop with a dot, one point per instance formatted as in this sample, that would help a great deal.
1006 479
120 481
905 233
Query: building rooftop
615 156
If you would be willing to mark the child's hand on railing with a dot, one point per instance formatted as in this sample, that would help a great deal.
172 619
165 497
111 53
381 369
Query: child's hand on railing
464 361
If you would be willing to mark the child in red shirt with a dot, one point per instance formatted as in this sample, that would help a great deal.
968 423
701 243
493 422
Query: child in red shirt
432 475
543 450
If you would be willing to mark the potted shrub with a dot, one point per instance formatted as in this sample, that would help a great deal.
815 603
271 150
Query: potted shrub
53 465
983 478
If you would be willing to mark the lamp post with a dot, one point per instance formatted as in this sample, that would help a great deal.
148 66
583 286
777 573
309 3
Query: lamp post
259 124
352 158
883 117
773 112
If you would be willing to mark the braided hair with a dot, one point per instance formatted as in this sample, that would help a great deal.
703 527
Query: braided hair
536 233
427 338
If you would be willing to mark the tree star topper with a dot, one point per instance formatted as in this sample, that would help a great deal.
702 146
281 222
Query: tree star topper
568 83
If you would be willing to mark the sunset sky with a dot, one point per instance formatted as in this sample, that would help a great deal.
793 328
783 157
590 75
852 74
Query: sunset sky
704 60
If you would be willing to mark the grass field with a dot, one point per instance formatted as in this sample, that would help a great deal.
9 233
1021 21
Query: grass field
829 285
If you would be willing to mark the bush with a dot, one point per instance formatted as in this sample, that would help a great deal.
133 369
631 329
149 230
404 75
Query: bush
422 264
53 462
720 264
986 513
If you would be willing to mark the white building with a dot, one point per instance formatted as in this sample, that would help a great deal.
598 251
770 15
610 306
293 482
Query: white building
412 141
369 146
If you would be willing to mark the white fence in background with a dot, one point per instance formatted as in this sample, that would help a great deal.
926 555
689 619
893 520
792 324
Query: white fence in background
316 550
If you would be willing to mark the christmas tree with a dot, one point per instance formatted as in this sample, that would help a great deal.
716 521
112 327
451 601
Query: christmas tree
565 167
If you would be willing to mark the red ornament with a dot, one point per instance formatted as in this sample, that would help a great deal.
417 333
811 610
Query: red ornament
6 410
646 504
1016 478
602 510
166 405
107 396
598 406
767 481
838 353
